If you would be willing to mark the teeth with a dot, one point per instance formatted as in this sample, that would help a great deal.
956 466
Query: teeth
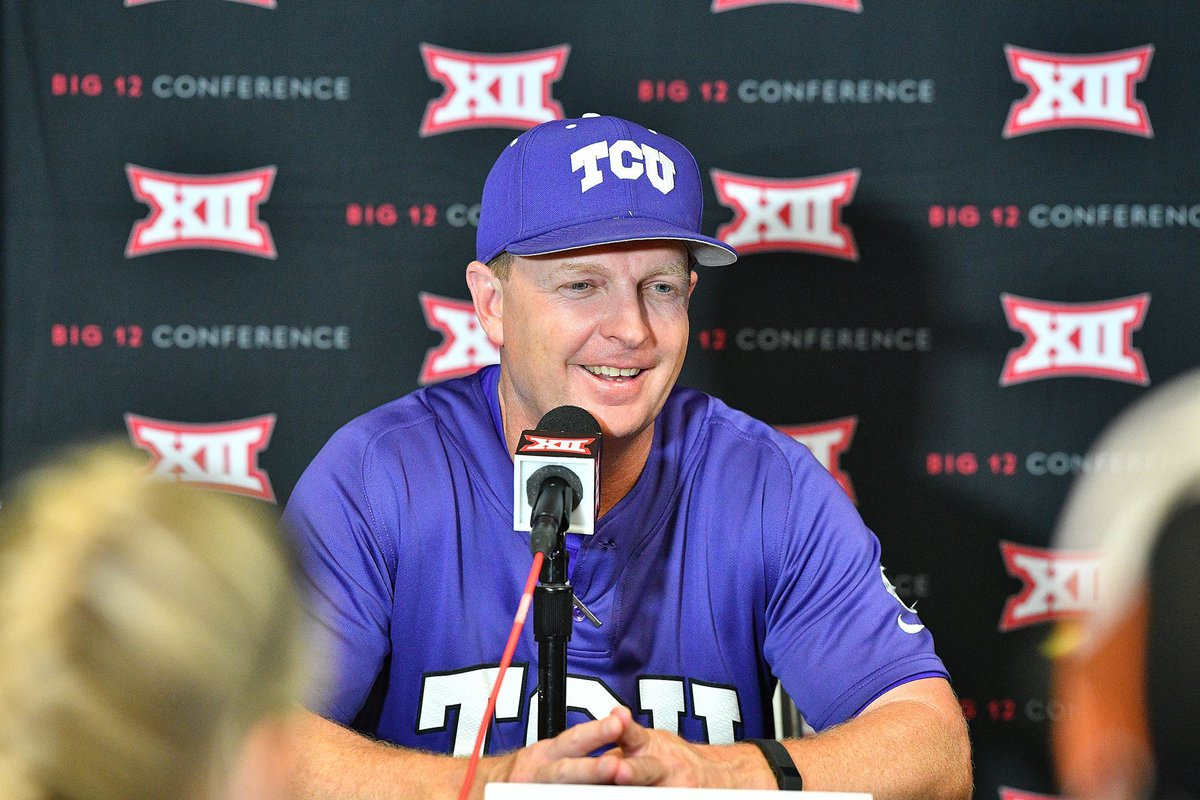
612 372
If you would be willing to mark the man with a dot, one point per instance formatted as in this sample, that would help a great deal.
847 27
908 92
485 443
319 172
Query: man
725 556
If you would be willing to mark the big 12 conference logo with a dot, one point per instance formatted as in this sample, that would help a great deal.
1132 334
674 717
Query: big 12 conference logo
827 441
1092 340
466 346
209 212
1079 91
218 455
790 214
844 5
487 90
1057 585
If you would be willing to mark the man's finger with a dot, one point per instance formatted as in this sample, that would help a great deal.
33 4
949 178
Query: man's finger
582 739
640 771
601 770
633 737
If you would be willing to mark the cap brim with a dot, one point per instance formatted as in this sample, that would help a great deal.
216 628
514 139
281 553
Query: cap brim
707 251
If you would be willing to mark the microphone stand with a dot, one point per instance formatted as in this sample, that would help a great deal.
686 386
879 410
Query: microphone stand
552 601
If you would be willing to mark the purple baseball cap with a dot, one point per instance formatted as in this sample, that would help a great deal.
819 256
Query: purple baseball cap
574 183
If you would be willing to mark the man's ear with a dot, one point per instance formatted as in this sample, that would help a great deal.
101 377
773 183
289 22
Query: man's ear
487 293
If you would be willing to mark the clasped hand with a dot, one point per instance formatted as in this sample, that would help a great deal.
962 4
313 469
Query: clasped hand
640 756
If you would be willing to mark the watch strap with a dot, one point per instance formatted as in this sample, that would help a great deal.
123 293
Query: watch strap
780 761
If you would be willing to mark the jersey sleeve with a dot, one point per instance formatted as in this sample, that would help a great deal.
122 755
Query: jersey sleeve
349 565
837 636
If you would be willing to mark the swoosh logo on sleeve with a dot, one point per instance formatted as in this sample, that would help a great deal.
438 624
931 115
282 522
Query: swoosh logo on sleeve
908 627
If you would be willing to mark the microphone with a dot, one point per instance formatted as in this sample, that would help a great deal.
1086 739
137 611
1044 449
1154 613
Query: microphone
556 477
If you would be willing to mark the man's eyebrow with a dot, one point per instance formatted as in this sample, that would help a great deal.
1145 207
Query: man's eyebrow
583 266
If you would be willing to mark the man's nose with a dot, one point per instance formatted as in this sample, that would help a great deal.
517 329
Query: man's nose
626 319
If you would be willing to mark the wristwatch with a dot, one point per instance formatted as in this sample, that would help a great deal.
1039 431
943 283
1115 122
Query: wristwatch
780 761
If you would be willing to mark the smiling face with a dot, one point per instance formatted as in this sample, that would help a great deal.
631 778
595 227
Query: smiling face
604 328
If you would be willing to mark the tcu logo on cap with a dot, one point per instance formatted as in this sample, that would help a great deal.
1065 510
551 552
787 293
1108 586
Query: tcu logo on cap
220 455
827 441
1057 585
1079 91
212 212
492 91
844 5
549 444
626 160
793 214
466 347
1092 340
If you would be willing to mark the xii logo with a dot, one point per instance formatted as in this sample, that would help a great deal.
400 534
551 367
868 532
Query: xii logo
843 5
219 455
485 90
1057 585
1092 340
1079 91
790 214
827 441
211 212
466 346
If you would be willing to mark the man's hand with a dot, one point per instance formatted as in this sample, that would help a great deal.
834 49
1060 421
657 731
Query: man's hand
649 757
565 758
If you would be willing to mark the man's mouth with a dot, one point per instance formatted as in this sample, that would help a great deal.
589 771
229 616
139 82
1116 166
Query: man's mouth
612 372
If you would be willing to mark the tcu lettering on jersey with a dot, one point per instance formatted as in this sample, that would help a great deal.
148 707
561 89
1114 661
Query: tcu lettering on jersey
661 699
259 3
1075 339
546 444
844 5
465 348
626 160
1079 91
1057 585
827 441
793 214
211 212
485 90
219 455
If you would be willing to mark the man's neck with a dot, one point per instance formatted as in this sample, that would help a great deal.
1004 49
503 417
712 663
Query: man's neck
621 460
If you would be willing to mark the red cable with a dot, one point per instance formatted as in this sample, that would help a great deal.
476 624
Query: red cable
505 660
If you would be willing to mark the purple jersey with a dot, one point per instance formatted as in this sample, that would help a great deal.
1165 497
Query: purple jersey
734 560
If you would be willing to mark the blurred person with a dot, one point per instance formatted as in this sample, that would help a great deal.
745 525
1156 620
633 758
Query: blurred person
149 638
1125 673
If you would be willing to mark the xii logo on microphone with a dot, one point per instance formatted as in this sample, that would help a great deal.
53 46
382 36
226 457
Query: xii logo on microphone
220 455
1057 585
1079 91
1092 340
567 446
486 90
791 214
210 212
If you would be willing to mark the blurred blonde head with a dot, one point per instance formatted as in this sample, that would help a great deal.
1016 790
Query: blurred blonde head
145 629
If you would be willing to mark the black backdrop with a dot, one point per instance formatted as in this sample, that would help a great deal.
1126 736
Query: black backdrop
886 203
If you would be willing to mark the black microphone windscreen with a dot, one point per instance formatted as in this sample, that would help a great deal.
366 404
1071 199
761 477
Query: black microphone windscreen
569 419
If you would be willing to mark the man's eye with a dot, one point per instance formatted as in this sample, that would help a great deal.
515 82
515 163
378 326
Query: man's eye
579 286
663 288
